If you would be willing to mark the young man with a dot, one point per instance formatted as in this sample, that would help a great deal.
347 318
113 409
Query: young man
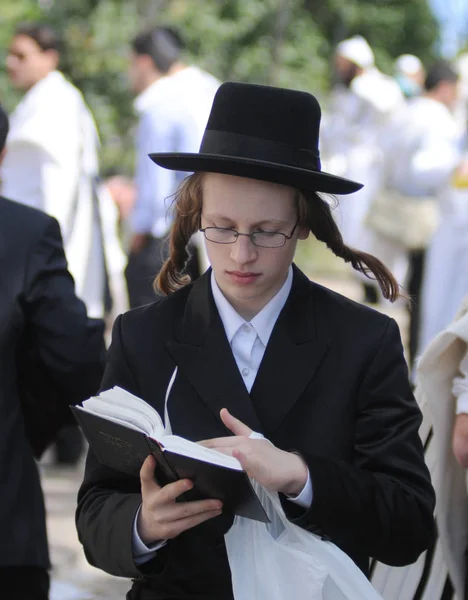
40 316
260 348
173 103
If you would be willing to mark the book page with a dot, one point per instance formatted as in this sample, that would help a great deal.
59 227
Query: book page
180 445
119 404
112 418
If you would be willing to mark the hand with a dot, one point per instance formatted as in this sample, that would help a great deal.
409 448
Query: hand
123 192
275 469
460 439
161 517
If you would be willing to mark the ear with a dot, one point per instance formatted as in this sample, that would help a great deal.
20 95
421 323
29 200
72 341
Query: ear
146 62
54 58
303 232
2 155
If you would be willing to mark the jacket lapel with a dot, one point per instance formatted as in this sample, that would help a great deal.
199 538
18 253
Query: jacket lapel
297 346
205 358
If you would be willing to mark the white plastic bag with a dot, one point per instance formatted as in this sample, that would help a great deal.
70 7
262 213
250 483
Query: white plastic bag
281 561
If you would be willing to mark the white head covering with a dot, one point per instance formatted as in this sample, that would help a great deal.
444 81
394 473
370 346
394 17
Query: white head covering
408 64
357 50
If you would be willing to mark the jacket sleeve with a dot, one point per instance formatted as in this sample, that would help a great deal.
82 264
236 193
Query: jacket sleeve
382 503
108 500
70 346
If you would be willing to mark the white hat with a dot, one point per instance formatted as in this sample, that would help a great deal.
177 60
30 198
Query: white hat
356 50
408 64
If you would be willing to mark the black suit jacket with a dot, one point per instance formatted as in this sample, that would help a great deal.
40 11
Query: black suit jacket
333 385
37 303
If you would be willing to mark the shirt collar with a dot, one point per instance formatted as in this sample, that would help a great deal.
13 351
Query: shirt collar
263 322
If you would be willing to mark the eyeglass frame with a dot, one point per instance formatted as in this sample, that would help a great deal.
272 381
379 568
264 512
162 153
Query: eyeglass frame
250 235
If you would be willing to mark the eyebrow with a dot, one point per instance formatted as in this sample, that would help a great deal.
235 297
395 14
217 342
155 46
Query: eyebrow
275 222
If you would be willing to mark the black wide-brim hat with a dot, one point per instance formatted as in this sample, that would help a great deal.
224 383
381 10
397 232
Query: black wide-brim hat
265 133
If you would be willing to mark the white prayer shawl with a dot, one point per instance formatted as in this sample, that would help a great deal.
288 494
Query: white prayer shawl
51 161
435 374
436 370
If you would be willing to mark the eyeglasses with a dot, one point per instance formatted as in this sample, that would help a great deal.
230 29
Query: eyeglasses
264 239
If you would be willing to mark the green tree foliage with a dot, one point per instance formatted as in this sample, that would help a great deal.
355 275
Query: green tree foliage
280 42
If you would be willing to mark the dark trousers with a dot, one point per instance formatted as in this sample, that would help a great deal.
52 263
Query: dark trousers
416 273
24 583
144 266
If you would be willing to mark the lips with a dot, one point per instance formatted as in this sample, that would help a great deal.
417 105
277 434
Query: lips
241 278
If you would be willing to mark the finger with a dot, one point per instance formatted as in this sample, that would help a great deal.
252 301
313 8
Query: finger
172 491
223 449
183 524
184 510
225 442
242 458
147 479
233 424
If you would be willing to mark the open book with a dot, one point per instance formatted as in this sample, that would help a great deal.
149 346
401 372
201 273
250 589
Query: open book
123 429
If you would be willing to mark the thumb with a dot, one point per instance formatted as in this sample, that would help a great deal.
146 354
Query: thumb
233 424
147 479
243 459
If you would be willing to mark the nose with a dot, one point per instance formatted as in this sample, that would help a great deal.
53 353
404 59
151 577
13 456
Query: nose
243 251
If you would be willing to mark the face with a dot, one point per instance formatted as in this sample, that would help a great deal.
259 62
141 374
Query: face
248 275
345 70
27 63
451 93
140 72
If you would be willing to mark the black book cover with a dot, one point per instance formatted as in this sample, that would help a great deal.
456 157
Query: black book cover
125 449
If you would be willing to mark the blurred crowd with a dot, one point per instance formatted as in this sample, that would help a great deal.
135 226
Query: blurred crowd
402 135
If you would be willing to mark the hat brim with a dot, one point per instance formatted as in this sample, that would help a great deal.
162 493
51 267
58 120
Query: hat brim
316 181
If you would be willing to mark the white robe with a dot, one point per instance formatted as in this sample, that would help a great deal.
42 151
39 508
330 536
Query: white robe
51 164
420 148
349 145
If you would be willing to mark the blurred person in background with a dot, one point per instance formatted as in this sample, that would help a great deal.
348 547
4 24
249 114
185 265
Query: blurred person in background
461 111
441 168
39 315
173 103
422 148
52 164
362 101
410 75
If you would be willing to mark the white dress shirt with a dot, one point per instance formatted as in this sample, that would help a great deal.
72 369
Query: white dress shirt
248 341
173 114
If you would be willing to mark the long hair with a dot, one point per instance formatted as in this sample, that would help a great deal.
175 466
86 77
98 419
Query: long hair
314 213
186 206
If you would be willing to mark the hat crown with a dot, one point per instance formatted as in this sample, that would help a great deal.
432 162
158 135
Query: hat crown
279 115
265 133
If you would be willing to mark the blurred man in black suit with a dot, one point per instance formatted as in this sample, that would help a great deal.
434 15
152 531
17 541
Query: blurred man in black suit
42 324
